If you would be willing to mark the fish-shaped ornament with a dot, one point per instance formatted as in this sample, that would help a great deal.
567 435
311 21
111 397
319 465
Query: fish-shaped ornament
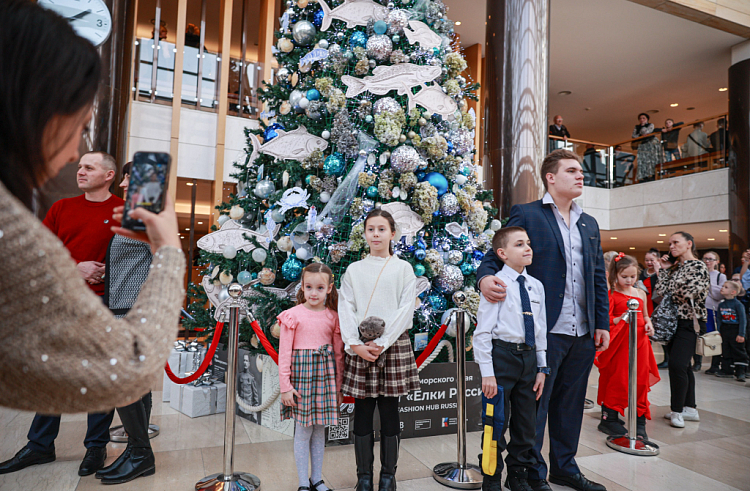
233 234
289 145
401 77
434 100
353 12
407 221
422 34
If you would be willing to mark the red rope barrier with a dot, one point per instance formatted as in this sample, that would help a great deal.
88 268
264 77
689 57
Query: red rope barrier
206 361
431 345
265 342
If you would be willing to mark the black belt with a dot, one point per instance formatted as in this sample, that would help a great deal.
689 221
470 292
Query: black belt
512 346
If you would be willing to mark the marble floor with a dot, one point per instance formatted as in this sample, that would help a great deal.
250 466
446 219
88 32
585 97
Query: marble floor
713 454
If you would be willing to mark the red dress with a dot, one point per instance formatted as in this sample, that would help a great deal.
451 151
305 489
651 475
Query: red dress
613 362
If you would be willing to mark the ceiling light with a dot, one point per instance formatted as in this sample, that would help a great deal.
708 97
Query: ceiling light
711 238
652 111
659 241
690 108
613 238
189 183
200 223
674 105
182 237
458 22
662 235
723 89
564 92
632 248
187 229
723 230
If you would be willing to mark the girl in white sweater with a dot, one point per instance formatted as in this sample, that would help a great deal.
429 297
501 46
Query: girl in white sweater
384 286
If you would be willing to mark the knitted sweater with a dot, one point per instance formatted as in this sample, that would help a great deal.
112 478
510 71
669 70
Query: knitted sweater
61 350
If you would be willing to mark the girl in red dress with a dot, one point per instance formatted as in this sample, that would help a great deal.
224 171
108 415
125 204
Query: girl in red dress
613 362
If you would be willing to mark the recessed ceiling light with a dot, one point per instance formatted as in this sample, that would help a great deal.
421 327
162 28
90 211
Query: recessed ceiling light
659 241
189 183
723 230
613 238
632 248
674 105
564 92
652 111
458 22
187 229
662 235
200 223
711 238
689 108
182 237
723 89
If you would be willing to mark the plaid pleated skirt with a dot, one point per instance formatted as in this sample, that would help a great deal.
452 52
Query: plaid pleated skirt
314 377
397 377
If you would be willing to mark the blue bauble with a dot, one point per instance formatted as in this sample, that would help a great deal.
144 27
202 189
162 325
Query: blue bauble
467 268
421 244
318 18
313 95
244 277
478 255
380 27
438 181
372 192
420 254
419 270
334 165
292 268
450 145
270 132
420 176
254 276
437 302
358 39
466 171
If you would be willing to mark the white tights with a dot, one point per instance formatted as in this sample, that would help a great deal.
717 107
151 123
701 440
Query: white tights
309 444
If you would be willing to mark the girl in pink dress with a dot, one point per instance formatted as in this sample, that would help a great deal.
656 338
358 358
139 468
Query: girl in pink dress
311 357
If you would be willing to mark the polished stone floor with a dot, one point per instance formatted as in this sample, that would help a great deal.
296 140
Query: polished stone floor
713 454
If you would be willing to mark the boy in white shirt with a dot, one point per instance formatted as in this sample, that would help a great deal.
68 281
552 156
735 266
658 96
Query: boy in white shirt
510 344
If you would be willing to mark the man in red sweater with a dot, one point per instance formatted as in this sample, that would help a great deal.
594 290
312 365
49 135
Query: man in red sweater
83 224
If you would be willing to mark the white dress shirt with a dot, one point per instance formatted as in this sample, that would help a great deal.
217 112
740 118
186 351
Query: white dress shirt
504 320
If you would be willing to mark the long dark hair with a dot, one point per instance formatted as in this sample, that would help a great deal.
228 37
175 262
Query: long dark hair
332 299
46 70
377 212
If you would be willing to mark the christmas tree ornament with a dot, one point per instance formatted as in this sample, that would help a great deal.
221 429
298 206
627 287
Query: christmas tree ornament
449 280
379 47
372 192
292 268
437 302
315 110
386 105
225 278
434 100
285 45
276 330
419 32
266 276
457 230
304 252
244 277
270 132
229 252
259 255
302 3
401 77
334 164
222 219
312 95
419 270
463 142
297 144
304 33
353 12
325 197
295 96
285 108
408 222
437 180
318 19
236 212
358 40
282 75
467 268
496 225
303 103
460 179
233 234
454 257
295 197
405 159
380 27
397 20
420 254
323 43
449 204
264 189
300 235
325 134
284 244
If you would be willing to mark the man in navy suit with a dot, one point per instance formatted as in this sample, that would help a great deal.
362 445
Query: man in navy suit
570 264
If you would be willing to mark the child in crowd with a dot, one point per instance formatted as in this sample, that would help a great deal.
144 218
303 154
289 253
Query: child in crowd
613 362
732 323
510 343
311 370
383 286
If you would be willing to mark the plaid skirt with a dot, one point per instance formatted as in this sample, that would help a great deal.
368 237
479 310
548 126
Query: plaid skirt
397 377
314 377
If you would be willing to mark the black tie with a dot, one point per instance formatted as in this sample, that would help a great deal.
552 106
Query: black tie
528 316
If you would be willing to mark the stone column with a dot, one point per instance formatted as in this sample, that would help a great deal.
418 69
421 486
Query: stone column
515 99
739 152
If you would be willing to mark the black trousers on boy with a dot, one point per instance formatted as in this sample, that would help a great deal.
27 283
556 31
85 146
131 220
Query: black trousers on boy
515 371
734 354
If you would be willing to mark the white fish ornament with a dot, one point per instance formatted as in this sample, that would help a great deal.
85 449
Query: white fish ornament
353 12
232 233
422 34
289 145
401 77
435 101
408 221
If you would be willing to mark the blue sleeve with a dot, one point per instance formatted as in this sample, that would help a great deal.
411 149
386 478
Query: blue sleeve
491 264
719 316
741 318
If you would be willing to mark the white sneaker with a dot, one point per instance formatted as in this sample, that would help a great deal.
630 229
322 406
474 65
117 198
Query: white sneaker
668 415
676 420
690 414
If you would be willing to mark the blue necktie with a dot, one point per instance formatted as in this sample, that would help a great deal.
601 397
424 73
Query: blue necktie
528 316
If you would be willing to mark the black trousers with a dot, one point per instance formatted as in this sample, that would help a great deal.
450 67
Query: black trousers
515 372
681 376
44 430
733 353
364 411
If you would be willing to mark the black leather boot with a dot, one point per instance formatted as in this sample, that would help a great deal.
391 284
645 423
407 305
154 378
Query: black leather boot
138 458
388 462
610 423
114 465
363 453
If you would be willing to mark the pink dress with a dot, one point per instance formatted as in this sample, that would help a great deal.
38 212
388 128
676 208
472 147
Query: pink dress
311 360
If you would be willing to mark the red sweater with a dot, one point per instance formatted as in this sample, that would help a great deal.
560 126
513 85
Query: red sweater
84 227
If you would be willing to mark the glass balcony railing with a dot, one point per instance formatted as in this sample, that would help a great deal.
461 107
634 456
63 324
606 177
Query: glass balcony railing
667 152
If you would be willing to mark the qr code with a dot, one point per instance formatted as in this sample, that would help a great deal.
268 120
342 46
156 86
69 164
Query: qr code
339 432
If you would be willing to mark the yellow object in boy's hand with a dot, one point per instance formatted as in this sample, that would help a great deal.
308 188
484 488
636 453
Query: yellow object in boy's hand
489 387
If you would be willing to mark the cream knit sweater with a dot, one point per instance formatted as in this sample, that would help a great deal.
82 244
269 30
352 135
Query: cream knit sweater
61 350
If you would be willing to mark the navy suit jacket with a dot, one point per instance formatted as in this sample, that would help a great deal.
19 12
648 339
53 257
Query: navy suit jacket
548 265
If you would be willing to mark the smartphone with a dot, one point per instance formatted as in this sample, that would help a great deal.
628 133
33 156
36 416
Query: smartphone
149 176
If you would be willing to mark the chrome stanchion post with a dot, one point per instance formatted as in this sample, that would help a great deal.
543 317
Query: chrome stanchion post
459 474
230 480
630 443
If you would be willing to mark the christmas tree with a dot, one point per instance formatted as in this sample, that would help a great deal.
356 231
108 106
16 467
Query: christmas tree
368 109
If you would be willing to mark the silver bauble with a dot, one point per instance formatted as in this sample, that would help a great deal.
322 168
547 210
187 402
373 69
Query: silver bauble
397 20
304 33
449 280
449 204
379 47
462 140
223 295
404 159
385 104
283 74
314 110
264 189
277 216
323 43
295 96
455 257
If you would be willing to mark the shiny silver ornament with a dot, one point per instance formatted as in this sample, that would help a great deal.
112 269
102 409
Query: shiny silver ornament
397 20
449 204
379 47
385 104
314 110
295 97
404 159
323 43
455 257
462 140
304 33
449 280
283 74
264 189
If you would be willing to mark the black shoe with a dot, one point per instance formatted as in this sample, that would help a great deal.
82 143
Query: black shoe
712 371
303 488
24 458
576 481
388 462
539 485
696 367
641 428
363 454
518 480
724 375
140 462
314 486
92 461
114 465
492 485
611 424
740 373
663 365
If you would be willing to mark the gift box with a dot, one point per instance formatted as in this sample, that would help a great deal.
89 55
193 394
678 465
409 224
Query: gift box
196 401
180 362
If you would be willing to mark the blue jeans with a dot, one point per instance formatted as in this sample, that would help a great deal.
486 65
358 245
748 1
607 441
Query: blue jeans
669 154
